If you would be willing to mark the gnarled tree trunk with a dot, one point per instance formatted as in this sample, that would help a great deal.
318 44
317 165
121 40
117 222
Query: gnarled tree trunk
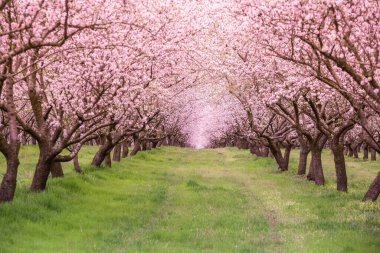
365 152
136 146
281 161
42 172
302 163
8 184
107 160
340 166
374 190
117 153
373 154
56 170
77 167
125 149
100 155
316 170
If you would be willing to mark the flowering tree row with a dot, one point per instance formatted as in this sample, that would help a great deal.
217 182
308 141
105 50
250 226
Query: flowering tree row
79 72
305 74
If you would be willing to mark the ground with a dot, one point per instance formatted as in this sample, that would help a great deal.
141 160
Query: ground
187 200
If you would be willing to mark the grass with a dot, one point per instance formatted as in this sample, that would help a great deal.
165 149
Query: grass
187 200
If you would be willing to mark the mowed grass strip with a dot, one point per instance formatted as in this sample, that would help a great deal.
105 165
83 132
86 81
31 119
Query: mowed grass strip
187 200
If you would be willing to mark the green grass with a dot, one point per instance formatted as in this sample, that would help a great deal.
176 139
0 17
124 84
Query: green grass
187 200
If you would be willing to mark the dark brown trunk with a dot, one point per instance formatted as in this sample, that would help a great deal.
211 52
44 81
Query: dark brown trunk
365 152
340 167
56 170
154 144
302 163
374 189
288 149
281 162
355 151
143 145
316 170
11 150
41 173
8 184
350 151
117 153
373 154
107 160
125 149
99 156
136 147
77 167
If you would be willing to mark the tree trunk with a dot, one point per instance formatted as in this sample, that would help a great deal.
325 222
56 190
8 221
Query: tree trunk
355 151
350 151
8 184
374 190
316 170
373 154
41 173
365 152
143 145
77 167
125 149
107 160
281 162
288 149
11 150
340 167
56 170
136 146
99 156
117 153
302 164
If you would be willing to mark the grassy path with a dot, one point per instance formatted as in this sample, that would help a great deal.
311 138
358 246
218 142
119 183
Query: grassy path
186 200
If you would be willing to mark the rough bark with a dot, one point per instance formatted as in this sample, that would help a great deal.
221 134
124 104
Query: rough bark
125 149
365 152
316 170
99 156
302 163
355 151
77 167
288 149
143 145
107 160
340 166
350 151
117 153
42 172
56 170
8 184
11 149
373 154
136 146
281 162
374 189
